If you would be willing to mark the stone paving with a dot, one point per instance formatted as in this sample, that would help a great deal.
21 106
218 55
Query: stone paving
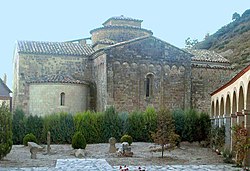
102 165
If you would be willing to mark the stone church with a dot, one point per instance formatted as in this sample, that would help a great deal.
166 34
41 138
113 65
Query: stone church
124 66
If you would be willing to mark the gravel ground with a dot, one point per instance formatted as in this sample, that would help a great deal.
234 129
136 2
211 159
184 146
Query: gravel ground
186 154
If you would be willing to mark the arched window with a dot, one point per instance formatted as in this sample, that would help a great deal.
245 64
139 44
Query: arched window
149 85
62 99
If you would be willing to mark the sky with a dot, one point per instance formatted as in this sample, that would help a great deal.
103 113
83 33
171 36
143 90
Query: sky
62 20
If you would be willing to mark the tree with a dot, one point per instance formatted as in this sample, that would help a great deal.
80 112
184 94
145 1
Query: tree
190 42
5 131
19 126
235 16
165 133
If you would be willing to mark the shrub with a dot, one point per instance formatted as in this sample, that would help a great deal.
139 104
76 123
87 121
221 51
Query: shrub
34 125
124 121
191 128
61 127
18 126
111 125
241 144
179 120
29 138
86 123
205 127
127 138
228 156
136 126
5 131
165 133
150 121
78 141
218 137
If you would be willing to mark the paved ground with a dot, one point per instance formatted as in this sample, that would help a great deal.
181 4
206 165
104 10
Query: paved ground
187 157
102 165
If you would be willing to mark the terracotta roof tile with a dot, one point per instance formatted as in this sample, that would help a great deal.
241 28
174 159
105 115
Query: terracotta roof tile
54 48
57 79
206 55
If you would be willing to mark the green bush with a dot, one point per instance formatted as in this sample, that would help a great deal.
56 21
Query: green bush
18 126
127 138
124 121
61 127
179 120
78 141
205 127
218 137
111 125
5 131
191 130
86 123
34 125
136 126
150 121
29 138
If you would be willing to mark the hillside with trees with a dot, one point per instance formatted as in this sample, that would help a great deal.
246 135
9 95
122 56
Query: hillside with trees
232 40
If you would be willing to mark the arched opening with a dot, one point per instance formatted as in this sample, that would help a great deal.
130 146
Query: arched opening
234 103
248 97
217 108
241 100
222 107
149 85
212 109
62 99
228 107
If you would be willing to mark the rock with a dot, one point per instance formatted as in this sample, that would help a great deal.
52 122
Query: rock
124 150
112 148
80 153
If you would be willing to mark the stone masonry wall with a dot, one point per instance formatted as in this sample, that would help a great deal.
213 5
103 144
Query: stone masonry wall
128 66
100 80
118 34
30 67
204 82
45 98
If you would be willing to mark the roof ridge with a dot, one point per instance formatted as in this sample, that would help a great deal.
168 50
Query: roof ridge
57 78
5 85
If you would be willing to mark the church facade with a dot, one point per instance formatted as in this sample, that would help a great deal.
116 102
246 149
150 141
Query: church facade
124 66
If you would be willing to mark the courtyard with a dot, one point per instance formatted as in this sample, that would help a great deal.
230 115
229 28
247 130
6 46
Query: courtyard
189 156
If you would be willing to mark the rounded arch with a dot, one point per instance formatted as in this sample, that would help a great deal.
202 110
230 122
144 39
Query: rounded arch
222 107
134 65
234 103
212 109
241 99
248 97
217 108
182 68
151 67
62 99
125 65
228 106
149 81
116 65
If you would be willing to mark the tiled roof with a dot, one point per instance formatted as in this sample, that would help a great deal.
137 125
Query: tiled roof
206 56
3 87
57 79
122 18
54 48
235 78
120 27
